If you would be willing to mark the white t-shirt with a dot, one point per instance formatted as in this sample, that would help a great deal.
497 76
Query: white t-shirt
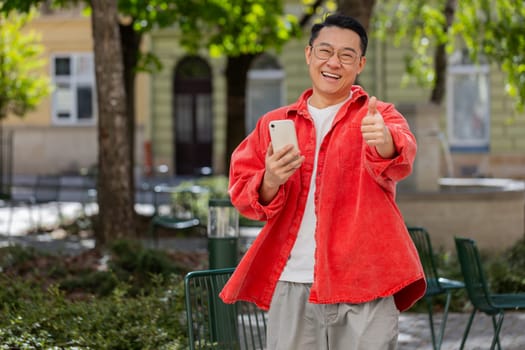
300 265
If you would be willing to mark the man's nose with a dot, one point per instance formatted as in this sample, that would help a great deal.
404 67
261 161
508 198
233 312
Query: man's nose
334 60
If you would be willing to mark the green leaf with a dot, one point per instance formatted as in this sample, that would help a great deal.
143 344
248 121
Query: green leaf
22 83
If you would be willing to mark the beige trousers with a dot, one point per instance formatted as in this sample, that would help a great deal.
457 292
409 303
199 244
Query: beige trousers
296 324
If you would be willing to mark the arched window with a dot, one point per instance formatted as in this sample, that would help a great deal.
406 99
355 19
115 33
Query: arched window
468 104
192 116
265 89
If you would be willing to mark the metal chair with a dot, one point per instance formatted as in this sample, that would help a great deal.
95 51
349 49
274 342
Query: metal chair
171 220
89 194
436 285
480 296
45 191
213 324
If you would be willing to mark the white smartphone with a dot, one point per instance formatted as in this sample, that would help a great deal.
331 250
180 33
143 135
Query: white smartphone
282 133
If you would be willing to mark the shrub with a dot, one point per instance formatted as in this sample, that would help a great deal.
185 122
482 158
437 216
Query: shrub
17 256
448 267
130 260
217 188
37 319
507 273
186 201
61 302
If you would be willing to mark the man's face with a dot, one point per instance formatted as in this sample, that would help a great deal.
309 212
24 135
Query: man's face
332 79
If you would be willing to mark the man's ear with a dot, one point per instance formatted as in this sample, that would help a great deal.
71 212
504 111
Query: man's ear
308 54
362 64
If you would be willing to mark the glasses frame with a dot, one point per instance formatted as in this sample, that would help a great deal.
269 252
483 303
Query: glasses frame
338 52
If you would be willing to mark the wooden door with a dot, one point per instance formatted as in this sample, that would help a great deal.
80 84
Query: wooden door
192 117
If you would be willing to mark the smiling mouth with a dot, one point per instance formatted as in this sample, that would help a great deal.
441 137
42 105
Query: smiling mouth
331 75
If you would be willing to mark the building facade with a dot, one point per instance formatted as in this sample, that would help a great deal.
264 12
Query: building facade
181 110
60 136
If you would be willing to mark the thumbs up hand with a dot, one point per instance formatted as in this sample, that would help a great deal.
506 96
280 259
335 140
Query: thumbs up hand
375 132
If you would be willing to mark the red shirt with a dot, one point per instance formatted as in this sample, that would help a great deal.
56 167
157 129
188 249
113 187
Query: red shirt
363 250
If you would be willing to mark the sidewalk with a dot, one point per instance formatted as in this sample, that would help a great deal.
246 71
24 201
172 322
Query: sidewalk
414 333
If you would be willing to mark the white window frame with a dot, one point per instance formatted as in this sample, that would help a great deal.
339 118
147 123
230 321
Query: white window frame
458 144
74 81
262 75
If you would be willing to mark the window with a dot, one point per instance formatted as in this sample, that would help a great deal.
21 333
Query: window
74 95
265 89
468 108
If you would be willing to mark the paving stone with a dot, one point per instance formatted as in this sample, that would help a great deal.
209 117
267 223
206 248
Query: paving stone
414 331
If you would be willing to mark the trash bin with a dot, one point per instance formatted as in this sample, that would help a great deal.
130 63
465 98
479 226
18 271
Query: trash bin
223 234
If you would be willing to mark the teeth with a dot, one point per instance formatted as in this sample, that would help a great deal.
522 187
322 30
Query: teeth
335 76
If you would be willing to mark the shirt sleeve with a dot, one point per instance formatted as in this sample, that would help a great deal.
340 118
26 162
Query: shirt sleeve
388 171
247 168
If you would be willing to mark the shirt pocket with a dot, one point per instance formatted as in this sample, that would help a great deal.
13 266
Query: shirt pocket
349 144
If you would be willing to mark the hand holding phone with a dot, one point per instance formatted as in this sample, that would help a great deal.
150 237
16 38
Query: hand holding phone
282 133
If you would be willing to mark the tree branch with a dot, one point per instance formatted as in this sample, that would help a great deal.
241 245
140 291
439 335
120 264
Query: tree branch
308 15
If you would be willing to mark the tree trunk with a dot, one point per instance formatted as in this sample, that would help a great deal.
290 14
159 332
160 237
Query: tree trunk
115 196
236 76
359 9
307 15
130 45
440 58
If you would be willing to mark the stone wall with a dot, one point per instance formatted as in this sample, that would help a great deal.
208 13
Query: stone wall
424 124
494 218
53 150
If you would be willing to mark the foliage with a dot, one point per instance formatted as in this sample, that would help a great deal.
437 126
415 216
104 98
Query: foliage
508 272
16 256
135 264
136 302
21 85
448 267
95 273
37 319
193 195
233 28
228 28
494 29
490 30
419 22
22 6
505 274
215 187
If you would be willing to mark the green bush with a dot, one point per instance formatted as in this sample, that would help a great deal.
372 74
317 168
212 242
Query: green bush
45 319
16 256
186 200
216 188
448 267
100 283
127 261
133 263
507 272
56 302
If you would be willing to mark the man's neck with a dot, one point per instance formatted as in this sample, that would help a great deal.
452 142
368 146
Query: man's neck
321 102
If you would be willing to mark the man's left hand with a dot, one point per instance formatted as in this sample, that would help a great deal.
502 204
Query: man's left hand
375 132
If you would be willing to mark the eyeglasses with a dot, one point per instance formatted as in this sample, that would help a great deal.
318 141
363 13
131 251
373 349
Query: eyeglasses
324 52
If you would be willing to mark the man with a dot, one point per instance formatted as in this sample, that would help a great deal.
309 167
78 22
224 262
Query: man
334 263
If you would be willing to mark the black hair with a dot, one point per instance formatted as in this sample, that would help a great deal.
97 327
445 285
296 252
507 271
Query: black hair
341 21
